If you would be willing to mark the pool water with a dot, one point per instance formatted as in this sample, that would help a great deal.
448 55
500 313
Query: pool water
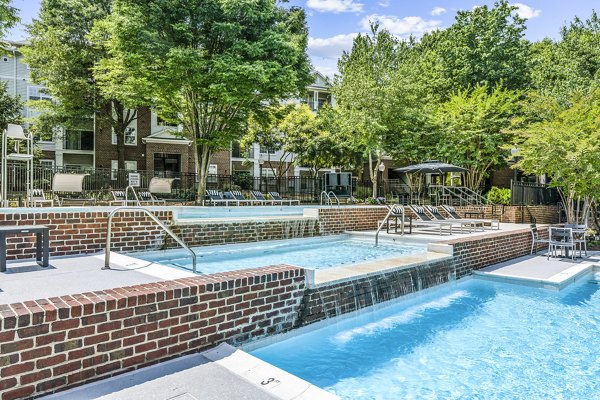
471 340
239 212
316 253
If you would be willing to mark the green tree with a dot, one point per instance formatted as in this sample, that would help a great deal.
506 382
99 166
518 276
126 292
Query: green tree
571 64
484 46
10 107
473 128
566 147
211 63
62 57
9 17
362 94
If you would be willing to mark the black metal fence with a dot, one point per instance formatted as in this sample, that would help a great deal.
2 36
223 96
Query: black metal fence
100 182
533 194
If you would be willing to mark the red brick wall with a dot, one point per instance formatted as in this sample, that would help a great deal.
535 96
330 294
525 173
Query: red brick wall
84 232
335 220
52 344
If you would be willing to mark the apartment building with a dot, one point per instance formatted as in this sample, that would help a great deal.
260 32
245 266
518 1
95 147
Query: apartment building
150 143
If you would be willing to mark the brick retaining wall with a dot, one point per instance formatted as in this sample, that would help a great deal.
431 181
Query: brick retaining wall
215 233
52 344
337 220
84 232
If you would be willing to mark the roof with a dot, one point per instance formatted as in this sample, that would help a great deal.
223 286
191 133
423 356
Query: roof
166 136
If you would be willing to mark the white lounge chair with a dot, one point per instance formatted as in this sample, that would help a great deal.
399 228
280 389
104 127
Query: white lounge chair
70 183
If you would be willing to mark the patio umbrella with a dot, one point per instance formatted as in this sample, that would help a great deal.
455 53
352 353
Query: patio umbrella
430 167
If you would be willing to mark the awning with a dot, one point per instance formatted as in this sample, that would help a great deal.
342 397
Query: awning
431 167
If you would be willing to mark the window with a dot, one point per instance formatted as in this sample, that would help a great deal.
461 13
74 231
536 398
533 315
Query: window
114 168
212 173
47 164
167 164
37 93
130 137
268 150
162 122
130 165
79 140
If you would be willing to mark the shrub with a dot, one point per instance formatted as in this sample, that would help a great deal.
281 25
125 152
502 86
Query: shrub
498 195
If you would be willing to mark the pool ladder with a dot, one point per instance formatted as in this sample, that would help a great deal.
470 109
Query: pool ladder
329 197
395 211
155 219
135 196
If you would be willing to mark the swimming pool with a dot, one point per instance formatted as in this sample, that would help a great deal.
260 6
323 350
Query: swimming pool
239 212
316 253
471 340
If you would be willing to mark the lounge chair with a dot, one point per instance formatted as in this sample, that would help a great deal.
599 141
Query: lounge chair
535 238
258 196
161 186
215 197
424 219
70 183
148 198
470 223
38 198
277 197
237 195
451 211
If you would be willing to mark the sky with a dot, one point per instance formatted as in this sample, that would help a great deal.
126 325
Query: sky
334 23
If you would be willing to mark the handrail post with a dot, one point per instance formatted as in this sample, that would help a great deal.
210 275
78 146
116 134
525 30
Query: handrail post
389 214
156 220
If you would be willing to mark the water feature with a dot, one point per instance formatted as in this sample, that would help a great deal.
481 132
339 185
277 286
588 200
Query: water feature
468 339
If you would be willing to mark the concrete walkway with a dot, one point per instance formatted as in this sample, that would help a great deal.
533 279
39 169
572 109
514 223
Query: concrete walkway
538 271
25 280
222 373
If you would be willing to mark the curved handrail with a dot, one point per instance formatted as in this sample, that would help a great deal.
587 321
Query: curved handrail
155 219
135 196
334 196
324 193
394 210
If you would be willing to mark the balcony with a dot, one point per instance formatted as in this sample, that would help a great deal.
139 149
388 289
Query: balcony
79 140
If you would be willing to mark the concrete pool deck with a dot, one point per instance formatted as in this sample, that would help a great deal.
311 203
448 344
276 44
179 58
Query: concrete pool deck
223 372
25 280
538 271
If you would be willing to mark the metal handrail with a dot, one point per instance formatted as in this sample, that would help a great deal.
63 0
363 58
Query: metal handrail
337 200
135 196
324 193
155 219
392 212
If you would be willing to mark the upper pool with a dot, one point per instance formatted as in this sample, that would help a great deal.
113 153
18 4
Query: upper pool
472 340
239 212
315 253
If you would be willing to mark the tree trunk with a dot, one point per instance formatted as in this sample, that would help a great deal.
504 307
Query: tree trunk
202 160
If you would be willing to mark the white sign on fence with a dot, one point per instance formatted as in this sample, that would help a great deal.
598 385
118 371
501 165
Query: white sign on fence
134 179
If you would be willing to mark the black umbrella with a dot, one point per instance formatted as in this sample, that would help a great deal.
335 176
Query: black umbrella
431 167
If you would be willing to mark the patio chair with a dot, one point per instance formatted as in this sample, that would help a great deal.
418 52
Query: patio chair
535 238
38 197
561 238
275 196
215 197
70 183
147 197
241 198
258 196
118 198
435 212
579 233
424 219
451 211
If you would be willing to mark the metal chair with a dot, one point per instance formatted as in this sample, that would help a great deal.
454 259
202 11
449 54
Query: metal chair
579 233
561 238
535 238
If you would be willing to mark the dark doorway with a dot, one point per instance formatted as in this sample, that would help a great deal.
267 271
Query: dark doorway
168 164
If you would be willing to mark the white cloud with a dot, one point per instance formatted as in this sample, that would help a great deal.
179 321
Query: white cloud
384 3
335 6
438 11
402 27
525 11
331 47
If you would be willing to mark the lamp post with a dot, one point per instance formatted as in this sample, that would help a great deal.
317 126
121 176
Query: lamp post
261 161
381 169
513 152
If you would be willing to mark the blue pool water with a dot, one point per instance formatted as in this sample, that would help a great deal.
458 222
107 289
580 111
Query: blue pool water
314 253
240 212
472 340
